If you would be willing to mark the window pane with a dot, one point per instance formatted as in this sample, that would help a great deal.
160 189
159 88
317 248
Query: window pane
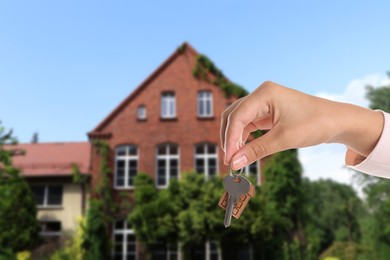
120 151
132 172
39 194
173 149
120 164
54 195
199 165
200 106
118 257
200 149
161 180
164 106
133 164
50 226
208 107
211 149
162 149
119 225
141 113
120 182
130 248
120 173
174 168
212 166
132 149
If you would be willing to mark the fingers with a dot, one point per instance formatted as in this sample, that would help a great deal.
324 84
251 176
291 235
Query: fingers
224 116
247 111
259 148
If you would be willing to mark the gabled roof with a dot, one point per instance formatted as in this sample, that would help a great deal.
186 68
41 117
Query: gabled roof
184 48
52 159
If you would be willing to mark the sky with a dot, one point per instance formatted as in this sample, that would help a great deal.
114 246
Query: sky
65 64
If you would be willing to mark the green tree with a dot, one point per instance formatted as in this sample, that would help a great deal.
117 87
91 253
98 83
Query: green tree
333 213
187 211
102 209
284 198
18 224
375 224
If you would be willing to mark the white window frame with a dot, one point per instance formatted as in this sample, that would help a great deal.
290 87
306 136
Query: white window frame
127 158
247 172
167 157
205 96
208 250
48 233
169 99
141 112
170 252
205 156
46 196
126 231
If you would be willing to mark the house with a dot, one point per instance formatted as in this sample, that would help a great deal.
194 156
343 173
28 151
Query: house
48 169
168 125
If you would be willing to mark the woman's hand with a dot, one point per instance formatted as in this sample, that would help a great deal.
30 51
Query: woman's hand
294 120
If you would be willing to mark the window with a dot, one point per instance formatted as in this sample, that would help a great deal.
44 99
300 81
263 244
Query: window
47 196
167 164
212 250
168 105
208 251
205 104
161 251
124 241
141 112
206 159
50 228
253 170
126 166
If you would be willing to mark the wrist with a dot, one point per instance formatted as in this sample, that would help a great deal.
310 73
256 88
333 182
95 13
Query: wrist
360 128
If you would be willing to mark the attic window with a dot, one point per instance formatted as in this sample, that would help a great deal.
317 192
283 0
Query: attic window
141 112
168 105
205 104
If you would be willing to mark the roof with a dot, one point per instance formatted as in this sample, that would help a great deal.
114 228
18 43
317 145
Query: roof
52 159
185 47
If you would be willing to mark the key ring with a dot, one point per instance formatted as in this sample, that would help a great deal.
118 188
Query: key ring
234 175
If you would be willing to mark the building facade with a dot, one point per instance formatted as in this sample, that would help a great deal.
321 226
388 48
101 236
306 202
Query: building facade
167 126
48 169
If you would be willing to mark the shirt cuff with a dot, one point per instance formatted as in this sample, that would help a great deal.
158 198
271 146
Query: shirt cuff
377 162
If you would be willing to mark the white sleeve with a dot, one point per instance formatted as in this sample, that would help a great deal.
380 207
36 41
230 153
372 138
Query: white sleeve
377 162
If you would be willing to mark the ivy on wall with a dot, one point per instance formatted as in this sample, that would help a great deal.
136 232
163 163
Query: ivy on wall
204 67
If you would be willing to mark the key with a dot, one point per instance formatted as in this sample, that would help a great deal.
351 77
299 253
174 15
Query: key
236 186
240 205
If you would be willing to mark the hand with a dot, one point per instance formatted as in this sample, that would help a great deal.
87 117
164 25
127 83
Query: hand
294 119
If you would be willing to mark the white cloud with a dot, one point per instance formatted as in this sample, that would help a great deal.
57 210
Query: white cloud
355 90
327 161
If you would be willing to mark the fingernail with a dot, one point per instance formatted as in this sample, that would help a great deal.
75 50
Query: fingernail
240 162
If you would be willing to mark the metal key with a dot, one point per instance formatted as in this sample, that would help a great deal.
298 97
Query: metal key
236 186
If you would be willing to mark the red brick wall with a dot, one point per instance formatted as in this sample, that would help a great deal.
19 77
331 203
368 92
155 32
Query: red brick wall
186 130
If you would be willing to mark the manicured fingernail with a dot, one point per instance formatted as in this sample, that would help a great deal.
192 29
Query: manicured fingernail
240 162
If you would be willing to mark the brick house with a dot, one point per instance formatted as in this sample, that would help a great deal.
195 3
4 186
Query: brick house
168 125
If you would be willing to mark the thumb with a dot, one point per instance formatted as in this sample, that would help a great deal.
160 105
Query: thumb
261 147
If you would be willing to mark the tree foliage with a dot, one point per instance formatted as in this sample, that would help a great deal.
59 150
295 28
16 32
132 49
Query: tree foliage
204 66
187 211
333 213
18 224
100 216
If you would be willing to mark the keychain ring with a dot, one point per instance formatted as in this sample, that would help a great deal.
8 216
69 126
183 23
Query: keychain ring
236 174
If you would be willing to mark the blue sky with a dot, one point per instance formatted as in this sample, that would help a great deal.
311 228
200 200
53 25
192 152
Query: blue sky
64 65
